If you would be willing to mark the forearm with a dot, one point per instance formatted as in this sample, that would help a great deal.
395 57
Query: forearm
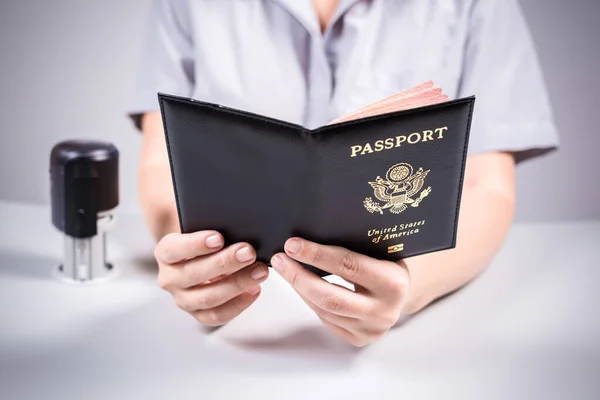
155 188
485 218
157 206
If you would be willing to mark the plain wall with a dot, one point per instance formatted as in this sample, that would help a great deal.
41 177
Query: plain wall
67 69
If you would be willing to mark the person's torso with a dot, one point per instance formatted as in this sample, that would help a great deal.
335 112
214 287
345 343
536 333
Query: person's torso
270 57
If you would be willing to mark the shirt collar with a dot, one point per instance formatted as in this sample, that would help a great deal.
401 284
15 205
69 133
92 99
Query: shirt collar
304 12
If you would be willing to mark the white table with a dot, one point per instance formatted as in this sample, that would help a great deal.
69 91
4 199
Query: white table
528 328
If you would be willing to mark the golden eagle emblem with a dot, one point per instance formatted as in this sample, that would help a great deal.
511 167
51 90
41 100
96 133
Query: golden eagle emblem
396 191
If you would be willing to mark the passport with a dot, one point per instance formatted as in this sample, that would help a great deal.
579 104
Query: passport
384 180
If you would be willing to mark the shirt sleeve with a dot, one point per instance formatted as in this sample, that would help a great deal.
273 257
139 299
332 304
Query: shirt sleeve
167 63
501 68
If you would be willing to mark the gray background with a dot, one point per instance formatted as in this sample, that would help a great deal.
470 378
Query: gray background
67 69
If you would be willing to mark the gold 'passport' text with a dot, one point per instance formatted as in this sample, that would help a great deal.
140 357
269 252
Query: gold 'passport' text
398 141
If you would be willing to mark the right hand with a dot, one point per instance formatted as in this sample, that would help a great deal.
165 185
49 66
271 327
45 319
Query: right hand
212 283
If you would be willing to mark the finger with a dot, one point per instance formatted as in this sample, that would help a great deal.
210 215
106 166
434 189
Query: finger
349 324
175 247
207 296
200 270
228 311
375 325
216 278
373 275
356 338
344 334
329 297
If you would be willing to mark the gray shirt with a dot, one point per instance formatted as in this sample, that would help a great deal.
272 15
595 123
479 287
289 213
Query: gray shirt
270 57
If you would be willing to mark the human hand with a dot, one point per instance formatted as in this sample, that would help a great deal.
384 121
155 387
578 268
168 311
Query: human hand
358 317
213 284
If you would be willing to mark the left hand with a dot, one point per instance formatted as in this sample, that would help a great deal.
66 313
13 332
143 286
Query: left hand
358 317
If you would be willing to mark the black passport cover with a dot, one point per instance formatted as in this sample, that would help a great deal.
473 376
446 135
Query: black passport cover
262 180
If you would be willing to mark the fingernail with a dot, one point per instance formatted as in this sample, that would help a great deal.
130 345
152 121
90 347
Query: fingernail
254 291
213 241
244 254
293 246
277 263
258 273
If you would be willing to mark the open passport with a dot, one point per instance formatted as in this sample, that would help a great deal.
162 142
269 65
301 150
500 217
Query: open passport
384 180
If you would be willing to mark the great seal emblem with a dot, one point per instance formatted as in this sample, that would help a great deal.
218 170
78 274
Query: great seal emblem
396 191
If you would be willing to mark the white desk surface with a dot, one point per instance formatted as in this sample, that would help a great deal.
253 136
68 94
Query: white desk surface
528 328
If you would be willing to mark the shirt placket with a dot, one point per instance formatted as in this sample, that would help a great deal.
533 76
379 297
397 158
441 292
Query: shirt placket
320 85
322 74
320 78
